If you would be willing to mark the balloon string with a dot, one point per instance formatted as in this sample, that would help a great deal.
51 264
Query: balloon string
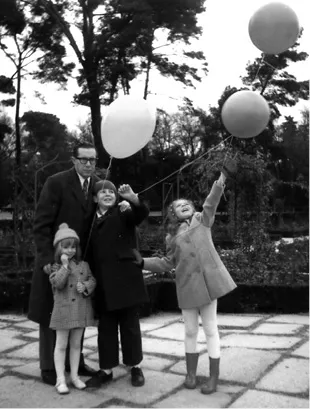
259 67
184 166
94 218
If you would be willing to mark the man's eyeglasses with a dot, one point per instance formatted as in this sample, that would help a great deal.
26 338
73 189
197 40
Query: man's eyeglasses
83 161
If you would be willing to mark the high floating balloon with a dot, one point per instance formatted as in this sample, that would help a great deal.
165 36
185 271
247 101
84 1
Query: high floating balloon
127 126
245 114
274 28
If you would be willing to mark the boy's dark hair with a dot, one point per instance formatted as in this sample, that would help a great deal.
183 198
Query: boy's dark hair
81 145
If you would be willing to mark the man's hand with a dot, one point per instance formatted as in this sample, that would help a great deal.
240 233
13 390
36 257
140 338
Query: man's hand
127 193
47 269
124 205
80 287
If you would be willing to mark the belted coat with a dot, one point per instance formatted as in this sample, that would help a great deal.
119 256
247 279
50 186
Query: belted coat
201 276
120 282
61 201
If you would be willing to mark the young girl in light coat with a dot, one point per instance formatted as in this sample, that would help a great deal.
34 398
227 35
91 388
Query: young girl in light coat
201 277
72 283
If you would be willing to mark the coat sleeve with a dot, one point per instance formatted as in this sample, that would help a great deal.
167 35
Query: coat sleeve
90 282
161 264
59 277
46 214
136 214
211 203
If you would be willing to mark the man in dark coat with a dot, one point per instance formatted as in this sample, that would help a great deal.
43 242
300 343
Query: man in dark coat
66 197
120 283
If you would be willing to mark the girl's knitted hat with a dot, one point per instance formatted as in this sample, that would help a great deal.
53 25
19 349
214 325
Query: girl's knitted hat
64 232
104 184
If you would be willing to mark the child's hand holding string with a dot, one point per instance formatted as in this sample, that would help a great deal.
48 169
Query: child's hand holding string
126 192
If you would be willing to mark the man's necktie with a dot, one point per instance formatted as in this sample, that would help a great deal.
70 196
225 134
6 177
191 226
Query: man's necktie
85 188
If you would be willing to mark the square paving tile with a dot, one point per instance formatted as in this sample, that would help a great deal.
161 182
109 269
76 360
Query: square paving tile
146 326
27 324
268 400
162 318
276 328
231 320
9 341
236 364
290 375
11 362
32 334
259 341
91 343
35 394
166 347
155 363
194 399
13 317
290 318
157 383
303 350
176 331
30 350
91 332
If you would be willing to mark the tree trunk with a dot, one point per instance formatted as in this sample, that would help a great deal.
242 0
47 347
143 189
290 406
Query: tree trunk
147 79
17 127
95 110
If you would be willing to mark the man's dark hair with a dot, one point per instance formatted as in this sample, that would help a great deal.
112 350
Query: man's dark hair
81 145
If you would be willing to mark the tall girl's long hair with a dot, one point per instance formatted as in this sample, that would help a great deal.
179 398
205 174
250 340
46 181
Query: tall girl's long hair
173 221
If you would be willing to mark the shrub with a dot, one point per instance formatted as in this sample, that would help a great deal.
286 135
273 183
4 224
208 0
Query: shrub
282 264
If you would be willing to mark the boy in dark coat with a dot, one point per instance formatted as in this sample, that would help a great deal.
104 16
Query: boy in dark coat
120 284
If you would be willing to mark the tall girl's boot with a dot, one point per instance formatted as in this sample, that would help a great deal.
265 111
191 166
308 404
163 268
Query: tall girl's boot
211 384
191 367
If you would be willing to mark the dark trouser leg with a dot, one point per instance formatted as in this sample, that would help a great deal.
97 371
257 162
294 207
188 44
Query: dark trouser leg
68 354
47 339
130 336
108 340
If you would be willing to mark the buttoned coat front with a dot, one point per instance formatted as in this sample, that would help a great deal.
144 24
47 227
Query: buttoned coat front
201 276
61 201
71 308
120 282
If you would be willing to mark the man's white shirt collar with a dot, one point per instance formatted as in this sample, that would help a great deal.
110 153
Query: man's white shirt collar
82 179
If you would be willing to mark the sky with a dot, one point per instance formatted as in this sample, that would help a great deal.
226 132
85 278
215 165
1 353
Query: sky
227 47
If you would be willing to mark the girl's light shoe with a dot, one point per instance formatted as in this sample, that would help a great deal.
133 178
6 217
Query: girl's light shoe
62 388
77 383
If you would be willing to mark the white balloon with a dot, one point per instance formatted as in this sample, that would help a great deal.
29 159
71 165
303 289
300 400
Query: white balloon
245 114
274 28
127 126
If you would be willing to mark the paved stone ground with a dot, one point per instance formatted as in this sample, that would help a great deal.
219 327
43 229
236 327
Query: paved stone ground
264 364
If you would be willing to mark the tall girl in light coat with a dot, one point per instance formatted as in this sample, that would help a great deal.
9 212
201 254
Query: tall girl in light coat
201 277
72 283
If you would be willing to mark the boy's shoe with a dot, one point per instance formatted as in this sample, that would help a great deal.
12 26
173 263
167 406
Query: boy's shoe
137 377
78 384
99 379
62 388
49 376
